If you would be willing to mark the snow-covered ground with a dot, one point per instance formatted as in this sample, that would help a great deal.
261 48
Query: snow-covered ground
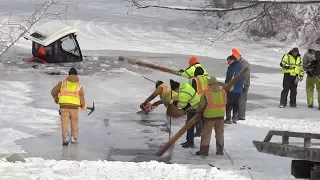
30 123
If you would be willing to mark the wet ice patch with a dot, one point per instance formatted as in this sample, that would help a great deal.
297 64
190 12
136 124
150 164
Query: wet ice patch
8 136
37 168
17 113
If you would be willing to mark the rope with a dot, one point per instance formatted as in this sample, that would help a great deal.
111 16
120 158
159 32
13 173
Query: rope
233 164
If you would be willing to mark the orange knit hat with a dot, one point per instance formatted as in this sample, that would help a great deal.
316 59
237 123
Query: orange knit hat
193 60
236 52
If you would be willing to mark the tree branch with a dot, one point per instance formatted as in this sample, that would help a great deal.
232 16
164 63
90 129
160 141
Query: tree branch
252 4
25 25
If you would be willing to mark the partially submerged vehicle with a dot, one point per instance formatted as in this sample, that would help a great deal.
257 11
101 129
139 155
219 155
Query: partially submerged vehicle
306 163
54 42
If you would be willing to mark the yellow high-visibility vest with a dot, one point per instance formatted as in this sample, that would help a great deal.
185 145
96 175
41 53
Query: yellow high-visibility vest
216 104
69 93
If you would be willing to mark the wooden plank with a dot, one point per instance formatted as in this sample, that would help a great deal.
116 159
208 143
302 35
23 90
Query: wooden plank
309 154
307 142
190 123
295 134
268 137
148 65
285 139
227 87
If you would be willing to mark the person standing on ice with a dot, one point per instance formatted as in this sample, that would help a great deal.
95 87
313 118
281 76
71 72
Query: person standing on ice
69 95
200 85
309 65
244 95
163 91
234 95
189 72
187 100
212 105
291 65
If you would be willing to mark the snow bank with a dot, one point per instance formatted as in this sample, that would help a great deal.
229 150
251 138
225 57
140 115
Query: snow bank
37 168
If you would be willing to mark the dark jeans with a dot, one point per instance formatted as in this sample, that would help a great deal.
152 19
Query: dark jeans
190 132
232 105
289 84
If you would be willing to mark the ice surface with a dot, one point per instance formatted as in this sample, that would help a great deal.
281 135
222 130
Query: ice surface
30 123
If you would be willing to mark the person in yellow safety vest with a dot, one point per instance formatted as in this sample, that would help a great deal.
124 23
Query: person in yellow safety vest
187 100
199 84
212 105
291 64
69 95
163 91
189 72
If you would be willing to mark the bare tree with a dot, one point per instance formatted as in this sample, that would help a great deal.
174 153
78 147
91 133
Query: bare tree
13 30
282 19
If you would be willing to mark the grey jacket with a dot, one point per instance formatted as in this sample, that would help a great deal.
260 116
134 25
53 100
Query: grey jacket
246 76
307 58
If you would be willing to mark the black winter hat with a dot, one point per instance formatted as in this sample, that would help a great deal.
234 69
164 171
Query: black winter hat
73 71
174 84
295 50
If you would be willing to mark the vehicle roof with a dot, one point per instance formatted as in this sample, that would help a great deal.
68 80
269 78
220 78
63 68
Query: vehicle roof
49 32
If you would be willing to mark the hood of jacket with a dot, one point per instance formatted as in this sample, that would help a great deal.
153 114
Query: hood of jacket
215 88
72 78
290 52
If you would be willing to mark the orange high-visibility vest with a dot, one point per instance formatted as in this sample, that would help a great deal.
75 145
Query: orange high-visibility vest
202 84
69 93
216 104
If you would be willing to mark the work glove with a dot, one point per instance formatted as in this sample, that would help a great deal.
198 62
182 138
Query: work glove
142 105
181 71
56 101
84 107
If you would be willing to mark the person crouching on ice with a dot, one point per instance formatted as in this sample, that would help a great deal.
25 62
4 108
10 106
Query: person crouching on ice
213 107
163 91
186 102
69 95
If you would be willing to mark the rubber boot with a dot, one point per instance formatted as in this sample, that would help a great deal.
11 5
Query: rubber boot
219 148
204 150
235 118
228 117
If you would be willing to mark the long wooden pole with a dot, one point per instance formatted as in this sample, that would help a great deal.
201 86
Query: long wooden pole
148 65
195 118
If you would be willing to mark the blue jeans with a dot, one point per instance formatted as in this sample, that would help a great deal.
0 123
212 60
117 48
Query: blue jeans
190 132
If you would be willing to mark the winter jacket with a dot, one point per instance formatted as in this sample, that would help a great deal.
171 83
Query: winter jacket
246 76
189 72
233 70
308 61
56 90
292 65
